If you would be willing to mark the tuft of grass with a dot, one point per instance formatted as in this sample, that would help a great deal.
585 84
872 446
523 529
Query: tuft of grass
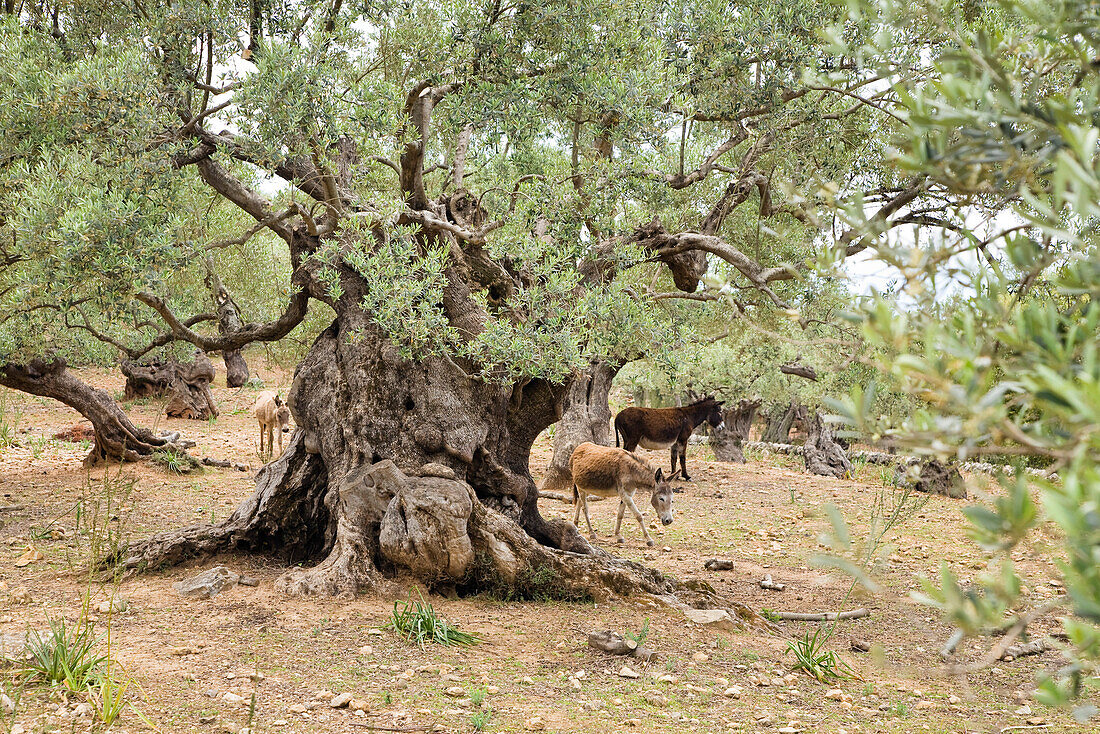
480 719
417 621
65 655
642 634
770 615
10 416
814 660
174 462
477 696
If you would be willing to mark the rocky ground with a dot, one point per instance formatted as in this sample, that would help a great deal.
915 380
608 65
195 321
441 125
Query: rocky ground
251 658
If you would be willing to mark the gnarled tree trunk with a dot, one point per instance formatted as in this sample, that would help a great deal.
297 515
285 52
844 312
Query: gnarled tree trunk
777 429
726 441
586 417
229 322
187 385
116 438
823 455
934 477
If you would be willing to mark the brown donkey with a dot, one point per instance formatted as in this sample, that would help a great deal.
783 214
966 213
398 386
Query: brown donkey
611 472
662 428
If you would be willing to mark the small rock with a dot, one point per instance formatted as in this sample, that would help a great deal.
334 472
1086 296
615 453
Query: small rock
298 708
21 596
113 605
527 680
628 672
455 692
535 723
716 618
208 719
31 555
655 699
700 657
1024 710
666 549
437 470
82 710
366 650
374 631
633 722
207 584
248 581
358 704
1036 721
340 701
835 694
733 692
954 700
859 645
493 690
231 697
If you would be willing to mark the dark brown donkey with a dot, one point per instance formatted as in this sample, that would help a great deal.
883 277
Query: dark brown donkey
661 428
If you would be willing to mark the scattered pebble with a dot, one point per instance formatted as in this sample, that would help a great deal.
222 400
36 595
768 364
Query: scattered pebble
535 723
627 672
340 701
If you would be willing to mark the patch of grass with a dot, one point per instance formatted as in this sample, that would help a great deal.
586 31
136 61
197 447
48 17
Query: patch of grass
541 584
477 696
174 462
642 634
771 615
65 655
480 719
814 660
10 416
417 621
101 520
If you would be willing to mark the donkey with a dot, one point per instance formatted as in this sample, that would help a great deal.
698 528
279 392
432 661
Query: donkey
269 411
610 472
661 428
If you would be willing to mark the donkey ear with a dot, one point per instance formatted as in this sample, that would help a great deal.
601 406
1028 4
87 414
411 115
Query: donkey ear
658 476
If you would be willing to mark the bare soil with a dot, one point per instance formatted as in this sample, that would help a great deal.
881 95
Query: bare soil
290 656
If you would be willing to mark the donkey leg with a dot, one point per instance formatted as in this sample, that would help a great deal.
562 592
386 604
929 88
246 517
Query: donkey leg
682 450
629 501
619 522
587 519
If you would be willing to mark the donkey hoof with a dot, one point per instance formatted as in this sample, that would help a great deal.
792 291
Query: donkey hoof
591 536
650 543
620 540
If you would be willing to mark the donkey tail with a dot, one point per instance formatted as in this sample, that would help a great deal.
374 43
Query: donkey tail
617 435
576 494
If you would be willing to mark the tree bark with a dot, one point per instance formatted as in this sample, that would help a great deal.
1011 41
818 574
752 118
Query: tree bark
934 477
116 438
778 426
187 385
229 322
823 455
726 442
586 417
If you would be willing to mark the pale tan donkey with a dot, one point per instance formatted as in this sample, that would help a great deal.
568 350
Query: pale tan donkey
269 411
608 472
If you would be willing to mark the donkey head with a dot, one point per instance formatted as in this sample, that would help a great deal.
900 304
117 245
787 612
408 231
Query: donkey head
714 414
662 496
282 415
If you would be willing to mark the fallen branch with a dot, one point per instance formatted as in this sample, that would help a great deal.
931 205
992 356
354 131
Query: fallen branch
952 642
1035 647
567 498
220 464
1020 727
715 564
767 583
376 727
822 616
612 643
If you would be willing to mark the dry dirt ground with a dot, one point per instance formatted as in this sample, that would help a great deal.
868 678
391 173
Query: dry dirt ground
290 656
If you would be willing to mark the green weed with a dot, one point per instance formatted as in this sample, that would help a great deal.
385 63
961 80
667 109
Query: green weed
814 660
417 621
65 655
480 719
643 633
